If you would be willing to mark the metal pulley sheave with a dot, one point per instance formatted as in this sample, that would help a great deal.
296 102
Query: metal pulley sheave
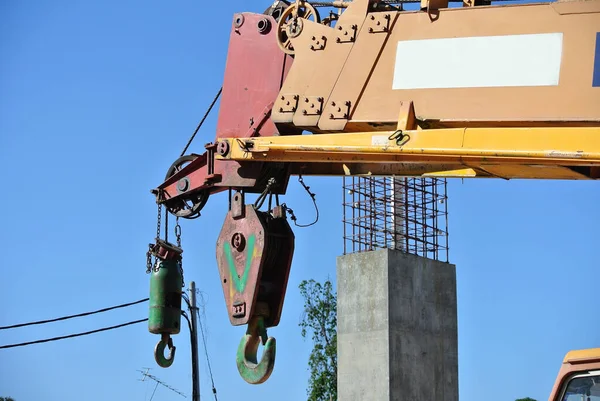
166 282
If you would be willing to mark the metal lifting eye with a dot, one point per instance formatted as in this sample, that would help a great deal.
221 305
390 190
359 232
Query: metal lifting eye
250 369
159 351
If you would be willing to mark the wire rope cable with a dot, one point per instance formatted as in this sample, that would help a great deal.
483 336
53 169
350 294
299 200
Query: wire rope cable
73 316
72 335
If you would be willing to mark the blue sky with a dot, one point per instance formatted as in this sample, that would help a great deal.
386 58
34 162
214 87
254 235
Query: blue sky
97 99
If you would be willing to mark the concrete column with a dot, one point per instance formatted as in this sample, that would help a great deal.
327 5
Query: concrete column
397 328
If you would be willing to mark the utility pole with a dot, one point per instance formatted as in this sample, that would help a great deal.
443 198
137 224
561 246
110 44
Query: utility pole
194 337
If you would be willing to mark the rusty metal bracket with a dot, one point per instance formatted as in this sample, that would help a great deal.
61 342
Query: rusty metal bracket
237 205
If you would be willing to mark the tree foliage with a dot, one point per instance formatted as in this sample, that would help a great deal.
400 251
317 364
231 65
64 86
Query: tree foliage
320 320
7 399
525 399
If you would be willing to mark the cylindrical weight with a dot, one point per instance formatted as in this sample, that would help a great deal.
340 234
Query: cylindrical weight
165 298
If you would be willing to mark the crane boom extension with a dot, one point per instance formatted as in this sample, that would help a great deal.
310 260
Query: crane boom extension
540 153
510 91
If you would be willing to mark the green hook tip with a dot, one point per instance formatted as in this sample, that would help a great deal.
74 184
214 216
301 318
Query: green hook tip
159 352
250 369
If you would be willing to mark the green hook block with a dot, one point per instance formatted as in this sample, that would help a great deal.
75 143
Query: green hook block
166 284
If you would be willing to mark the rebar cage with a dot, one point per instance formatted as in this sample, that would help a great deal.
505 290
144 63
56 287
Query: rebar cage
406 214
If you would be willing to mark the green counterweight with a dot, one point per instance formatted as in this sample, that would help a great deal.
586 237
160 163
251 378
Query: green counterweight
166 284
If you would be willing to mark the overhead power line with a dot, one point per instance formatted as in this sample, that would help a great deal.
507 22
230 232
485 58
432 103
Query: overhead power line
73 316
72 335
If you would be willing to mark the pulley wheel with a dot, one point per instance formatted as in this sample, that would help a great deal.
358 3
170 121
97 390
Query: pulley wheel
190 206
290 24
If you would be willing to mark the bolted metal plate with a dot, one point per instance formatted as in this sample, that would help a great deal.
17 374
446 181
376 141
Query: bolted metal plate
254 256
240 267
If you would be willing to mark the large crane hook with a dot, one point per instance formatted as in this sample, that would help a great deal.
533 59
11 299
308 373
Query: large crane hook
250 369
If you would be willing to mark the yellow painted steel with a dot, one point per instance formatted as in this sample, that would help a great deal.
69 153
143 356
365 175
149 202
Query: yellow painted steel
548 146
495 151
537 153
583 355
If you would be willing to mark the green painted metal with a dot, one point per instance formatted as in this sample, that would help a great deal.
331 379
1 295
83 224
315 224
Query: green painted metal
240 283
159 351
250 369
166 284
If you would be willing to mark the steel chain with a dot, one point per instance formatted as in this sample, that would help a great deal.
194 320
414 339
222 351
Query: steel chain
149 253
149 259
178 232
159 221
178 236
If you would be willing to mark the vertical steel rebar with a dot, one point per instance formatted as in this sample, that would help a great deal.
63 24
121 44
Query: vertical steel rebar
408 214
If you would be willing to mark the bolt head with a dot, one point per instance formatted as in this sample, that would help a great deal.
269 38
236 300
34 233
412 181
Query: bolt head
238 20
238 241
264 26
223 148
182 185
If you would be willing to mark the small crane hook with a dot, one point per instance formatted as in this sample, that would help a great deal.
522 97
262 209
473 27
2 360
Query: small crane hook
159 351
250 369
